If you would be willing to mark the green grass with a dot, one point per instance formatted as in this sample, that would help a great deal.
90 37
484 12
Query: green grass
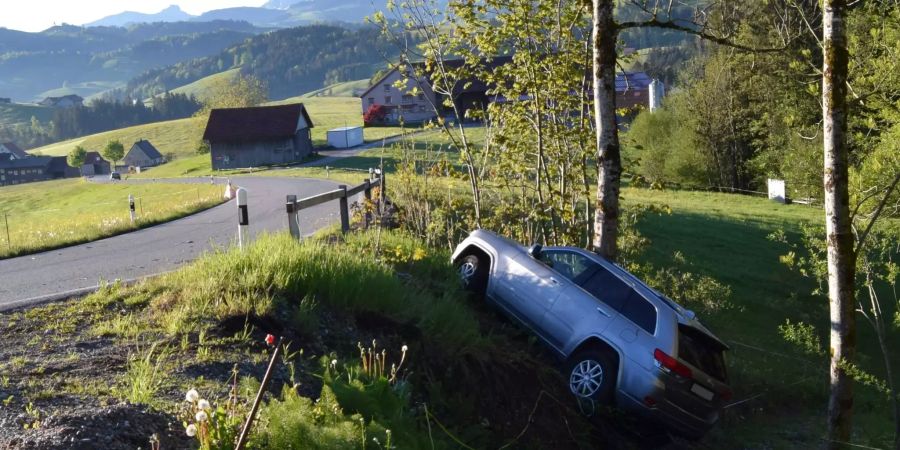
345 89
179 137
13 113
202 87
58 213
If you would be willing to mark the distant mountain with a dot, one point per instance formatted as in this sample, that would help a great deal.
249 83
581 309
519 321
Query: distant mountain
256 16
171 14
89 60
279 4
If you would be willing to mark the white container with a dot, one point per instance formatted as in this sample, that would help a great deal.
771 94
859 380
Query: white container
345 137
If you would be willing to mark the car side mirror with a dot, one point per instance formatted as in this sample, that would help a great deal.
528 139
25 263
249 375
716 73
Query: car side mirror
535 251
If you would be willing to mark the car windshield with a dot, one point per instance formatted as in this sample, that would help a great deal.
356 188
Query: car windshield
569 264
702 351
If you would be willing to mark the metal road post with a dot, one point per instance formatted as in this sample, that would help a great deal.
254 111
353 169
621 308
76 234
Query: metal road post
243 216
293 224
131 207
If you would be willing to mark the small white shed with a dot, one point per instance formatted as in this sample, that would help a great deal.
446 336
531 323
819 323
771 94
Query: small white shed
345 137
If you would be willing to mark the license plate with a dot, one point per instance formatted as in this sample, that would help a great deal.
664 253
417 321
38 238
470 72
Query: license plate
702 392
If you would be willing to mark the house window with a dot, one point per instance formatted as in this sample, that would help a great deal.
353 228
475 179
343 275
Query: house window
387 88
371 100
407 98
421 96
387 99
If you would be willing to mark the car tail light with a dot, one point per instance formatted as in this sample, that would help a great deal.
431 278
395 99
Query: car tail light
726 395
670 364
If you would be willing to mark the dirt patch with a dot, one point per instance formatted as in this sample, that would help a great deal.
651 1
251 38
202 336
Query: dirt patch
118 427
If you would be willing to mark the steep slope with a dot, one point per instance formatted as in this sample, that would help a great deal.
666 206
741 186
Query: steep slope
291 61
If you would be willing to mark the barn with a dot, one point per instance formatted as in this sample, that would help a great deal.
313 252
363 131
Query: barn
258 136
143 154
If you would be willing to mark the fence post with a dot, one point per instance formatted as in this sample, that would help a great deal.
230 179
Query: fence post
383 178
345 210
371 173
291 207
8 241
368 193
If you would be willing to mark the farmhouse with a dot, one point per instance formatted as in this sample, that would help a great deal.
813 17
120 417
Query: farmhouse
94 164
633 89
33 169
66 101
13 150
143 154
258 136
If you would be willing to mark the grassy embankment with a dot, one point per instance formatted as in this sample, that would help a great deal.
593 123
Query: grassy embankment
725 237
53 214
179 138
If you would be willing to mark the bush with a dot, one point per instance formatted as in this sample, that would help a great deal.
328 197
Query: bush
374 115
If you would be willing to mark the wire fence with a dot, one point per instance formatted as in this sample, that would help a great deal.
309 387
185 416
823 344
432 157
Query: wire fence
24 232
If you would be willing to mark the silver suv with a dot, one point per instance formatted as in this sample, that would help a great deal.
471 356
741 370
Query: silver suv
623 342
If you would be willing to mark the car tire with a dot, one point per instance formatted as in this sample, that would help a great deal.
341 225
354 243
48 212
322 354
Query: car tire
472 272
591 374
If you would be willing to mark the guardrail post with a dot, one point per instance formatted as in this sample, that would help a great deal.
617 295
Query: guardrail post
131 206
345 210
293 225
371 173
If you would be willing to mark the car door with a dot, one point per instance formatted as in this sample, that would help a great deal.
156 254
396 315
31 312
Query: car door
588 308
529 288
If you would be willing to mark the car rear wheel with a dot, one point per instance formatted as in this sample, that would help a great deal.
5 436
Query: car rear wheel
473 274
592 376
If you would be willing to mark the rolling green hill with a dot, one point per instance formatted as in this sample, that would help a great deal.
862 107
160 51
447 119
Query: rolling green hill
176 136
344 89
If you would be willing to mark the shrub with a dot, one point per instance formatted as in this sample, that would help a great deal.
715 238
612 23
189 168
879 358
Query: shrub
374 115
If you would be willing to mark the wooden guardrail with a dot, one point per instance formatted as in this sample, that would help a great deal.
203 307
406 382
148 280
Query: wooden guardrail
293 206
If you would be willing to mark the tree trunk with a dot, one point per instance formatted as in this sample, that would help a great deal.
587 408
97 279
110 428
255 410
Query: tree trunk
609 162
841 254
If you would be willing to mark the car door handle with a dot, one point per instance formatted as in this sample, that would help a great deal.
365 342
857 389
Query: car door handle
603 311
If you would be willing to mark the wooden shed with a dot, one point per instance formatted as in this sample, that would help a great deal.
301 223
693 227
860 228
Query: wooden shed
258 136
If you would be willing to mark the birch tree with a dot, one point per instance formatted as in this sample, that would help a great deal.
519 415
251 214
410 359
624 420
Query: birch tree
838 225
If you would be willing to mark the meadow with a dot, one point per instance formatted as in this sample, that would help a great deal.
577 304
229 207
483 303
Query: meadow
46 215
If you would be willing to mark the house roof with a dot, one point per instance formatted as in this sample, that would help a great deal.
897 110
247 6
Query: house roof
72 97
93 158
257 123
632 81
149 150
12 147
26 163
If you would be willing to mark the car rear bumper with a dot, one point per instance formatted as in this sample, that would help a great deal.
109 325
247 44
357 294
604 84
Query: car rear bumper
670 415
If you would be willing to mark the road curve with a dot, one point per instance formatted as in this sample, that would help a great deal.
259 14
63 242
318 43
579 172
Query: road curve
72 270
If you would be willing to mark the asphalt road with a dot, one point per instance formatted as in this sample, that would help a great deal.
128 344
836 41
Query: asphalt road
73 270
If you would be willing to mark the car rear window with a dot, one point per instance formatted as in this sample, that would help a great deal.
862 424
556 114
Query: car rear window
702 351
608 288
641 312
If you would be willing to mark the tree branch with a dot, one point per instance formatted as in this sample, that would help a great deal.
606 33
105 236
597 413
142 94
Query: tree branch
887 194
670 25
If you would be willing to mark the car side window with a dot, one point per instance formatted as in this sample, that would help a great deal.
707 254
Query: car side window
607 288
638 310
569 264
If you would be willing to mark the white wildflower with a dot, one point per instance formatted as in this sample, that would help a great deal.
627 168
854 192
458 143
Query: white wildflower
191 430
192 396
404 348
201 416
334 363
203 404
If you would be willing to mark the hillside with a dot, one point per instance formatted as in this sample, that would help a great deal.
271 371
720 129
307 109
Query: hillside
291 61
176 136
90 60
13 113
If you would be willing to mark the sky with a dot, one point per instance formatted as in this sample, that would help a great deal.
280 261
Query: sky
37 15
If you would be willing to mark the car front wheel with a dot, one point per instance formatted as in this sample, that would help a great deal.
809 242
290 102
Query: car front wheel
473 274
592 376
